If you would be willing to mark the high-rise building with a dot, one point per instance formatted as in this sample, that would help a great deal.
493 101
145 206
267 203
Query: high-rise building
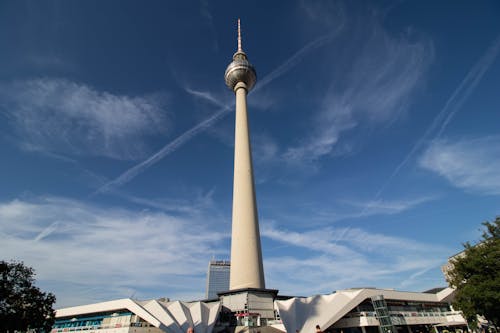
246 254
449 266
217 277
247 297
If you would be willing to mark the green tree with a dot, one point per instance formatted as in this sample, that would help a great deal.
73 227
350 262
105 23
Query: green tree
22 305
476 276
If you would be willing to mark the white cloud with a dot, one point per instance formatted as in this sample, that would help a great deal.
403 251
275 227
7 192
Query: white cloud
264 148
470 164
319 240
198 204
208 17
336 258
452 105
179 141
115 251
210 97
48 61
327 13
343 210
343 242
388 207
61 116
372 83
169 148
85 253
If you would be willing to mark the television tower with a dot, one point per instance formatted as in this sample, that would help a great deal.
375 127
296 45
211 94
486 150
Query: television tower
246 255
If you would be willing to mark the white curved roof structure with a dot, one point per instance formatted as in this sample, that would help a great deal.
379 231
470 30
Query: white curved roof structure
304 313
172 317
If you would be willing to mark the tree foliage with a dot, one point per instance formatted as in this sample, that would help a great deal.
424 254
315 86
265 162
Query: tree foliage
23 306
476 276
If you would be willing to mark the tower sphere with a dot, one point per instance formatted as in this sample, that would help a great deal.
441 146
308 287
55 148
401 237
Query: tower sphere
240 70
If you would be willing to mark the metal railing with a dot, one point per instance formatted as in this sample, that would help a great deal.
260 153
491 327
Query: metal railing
405 314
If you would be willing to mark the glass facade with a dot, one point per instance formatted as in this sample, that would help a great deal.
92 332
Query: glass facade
98 321
399 316
383 316
217 277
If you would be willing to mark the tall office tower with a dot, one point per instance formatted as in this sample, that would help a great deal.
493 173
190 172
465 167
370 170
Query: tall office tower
246 255
217 277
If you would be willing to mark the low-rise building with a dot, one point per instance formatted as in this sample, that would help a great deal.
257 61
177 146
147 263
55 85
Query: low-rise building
357 310
130 316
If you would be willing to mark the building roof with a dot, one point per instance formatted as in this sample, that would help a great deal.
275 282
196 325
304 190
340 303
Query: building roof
174 317
237 291
305 313
434 290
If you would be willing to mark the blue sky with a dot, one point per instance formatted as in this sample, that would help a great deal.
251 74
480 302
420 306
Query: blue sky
375 132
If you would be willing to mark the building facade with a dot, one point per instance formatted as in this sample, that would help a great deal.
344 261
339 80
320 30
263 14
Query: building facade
449 266
130 316
217 277
371 310
365 310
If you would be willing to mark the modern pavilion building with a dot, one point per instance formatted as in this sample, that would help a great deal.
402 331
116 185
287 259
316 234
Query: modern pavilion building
248 305
127 315
364 310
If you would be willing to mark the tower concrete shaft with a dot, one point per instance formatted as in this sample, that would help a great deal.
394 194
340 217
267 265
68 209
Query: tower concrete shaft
246 255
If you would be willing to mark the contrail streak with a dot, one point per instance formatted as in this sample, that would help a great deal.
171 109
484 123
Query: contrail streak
479 70
452 105
296 58
170 147
206 96
47 231
167 149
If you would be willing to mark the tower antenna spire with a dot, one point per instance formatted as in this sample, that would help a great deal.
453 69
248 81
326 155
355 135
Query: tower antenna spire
239 36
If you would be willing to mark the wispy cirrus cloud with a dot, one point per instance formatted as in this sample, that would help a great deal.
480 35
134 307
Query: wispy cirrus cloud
207 123
209 97
198 204
264 155
469 164
350 209
317 240
374 84
169 148
451 107
388 207
65 239
343 241
327 14
336 258
208 17
71 243
61 116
